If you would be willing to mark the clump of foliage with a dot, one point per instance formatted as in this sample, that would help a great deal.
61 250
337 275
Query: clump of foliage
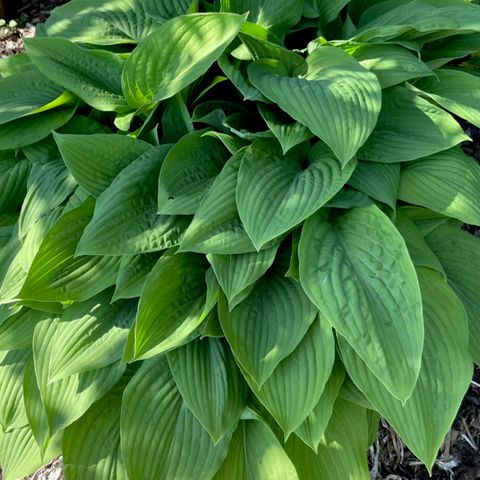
231 236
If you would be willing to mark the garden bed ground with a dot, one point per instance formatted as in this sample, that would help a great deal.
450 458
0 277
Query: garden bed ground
390 460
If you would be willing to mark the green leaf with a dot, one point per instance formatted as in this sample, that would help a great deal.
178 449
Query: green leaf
425 418
216 393
392 64
160 437
125 220
216 226
12 410
90 335
416 19
420 252
176 120
188 172
268 325
112 22
275 193
356 268
164 10
288 133
21 455
95 160
68 399
337 98
57 274
342 450
378 180
31 129
278 17
13 64
91 445
92 75
171 306
456 91
311 431
236 273
296 385
438 53
13 181
176 54
132 274
446 183
325 10
16 332
459 254
48 187
256 454
237 75
409 127
26 93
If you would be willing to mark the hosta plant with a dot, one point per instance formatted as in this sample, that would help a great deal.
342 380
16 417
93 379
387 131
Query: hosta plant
231 236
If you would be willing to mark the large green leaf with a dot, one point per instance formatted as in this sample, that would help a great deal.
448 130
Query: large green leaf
296 385
410 127
379 181
459 254
425 418
12 410
267 326
287 132
95 160
164 10
91 445
125 220
92 75
171 306
20 454
31 129
237 274
455 91
48 187
275 193
160 437
325 10
278 17
109 23
420 252
13 181
416 19
132 274
188 172
342 450
311 431
176 54
216 227
356 268
90 335
216 393
66 400
256 454
237 75
447 183
16 332
57 274
392 64
337 98
438 53
27 93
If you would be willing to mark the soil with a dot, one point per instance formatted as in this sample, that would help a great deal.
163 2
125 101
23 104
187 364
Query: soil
459 457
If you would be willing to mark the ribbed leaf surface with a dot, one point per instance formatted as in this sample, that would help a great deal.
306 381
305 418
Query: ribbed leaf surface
355 267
